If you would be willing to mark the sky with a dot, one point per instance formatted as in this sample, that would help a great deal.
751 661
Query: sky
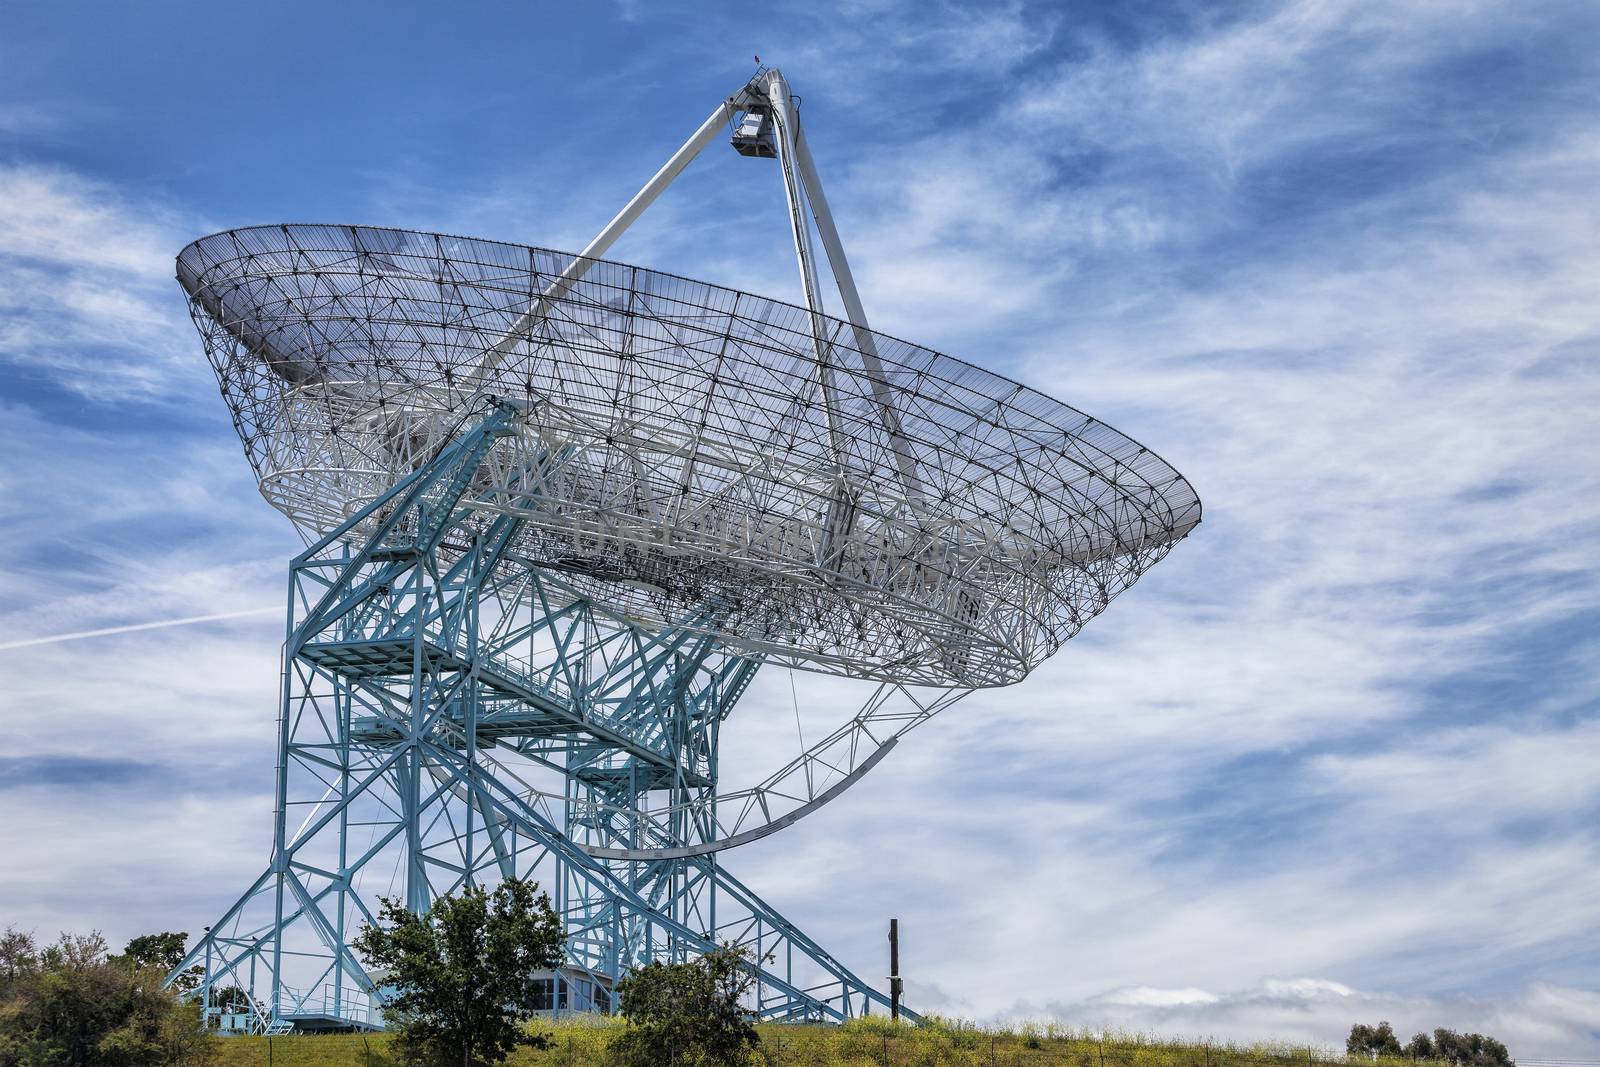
1337 759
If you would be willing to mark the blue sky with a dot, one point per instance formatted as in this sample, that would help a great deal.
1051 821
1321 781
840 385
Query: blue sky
1335 760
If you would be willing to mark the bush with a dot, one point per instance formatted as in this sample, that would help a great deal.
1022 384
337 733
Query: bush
72 1003
687 1013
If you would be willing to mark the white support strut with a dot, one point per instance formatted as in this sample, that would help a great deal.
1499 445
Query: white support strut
857 314
786 120
615 228
804 196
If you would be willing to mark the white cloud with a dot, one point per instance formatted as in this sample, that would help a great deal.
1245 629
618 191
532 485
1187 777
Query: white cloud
86 291
140 859
1273 758
852 48
1305 72
19 119
1390 419
1474 780
1149 997
1308 1011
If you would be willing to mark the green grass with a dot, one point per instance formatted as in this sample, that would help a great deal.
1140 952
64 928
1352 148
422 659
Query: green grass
871 1042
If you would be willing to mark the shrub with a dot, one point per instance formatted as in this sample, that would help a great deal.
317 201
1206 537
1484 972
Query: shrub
687 1013
72 1003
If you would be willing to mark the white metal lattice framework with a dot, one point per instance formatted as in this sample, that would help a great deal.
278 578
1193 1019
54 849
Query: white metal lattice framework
831 498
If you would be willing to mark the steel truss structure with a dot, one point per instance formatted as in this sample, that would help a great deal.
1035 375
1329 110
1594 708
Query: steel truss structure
561 510
426 696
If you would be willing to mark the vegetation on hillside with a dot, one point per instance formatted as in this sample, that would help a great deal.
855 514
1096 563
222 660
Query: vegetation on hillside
73 1004
587 1041
1443 1046
465 994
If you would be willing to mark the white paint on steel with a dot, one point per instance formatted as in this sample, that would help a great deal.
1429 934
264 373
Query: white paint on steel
614 229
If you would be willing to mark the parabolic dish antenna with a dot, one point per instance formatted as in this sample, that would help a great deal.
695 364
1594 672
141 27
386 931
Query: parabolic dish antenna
800 489
560 511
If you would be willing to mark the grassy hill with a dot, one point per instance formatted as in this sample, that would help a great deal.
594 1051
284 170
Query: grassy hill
872 1042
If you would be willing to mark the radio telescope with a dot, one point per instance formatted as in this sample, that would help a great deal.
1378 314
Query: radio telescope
559 512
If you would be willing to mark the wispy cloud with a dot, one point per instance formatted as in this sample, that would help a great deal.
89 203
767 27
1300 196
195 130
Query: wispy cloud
1334 259
1306 1010
112 631
86 293
1266 762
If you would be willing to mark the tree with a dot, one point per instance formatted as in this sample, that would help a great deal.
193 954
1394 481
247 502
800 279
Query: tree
1468 1050
464 974
1463 1050
155 950
72 1004
163 951
1372 1041
687 1012
1419 1048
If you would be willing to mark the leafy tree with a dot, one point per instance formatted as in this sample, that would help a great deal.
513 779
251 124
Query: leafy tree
155 950
1463 1050
71 1004
163 951
464 974
1420 1047
687 1013
1373 1041
19 957
1468 1050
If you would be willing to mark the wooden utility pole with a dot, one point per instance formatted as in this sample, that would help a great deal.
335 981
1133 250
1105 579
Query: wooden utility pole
894 970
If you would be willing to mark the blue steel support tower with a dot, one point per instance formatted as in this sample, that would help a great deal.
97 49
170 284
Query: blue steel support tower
418 693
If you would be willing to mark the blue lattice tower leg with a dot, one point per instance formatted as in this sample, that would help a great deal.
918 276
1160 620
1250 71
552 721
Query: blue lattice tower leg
686 689
429 677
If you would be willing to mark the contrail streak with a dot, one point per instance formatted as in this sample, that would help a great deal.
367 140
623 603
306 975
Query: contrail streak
108 631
